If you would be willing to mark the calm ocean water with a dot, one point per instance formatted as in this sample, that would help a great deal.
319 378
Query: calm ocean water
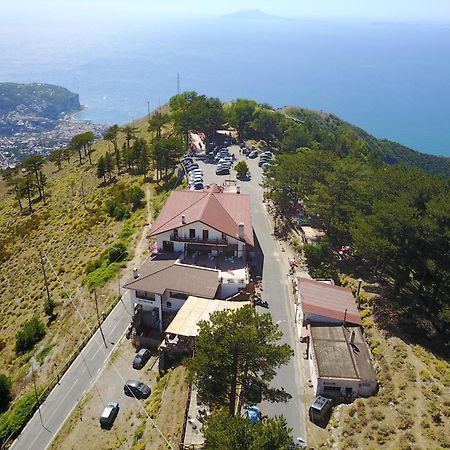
391 79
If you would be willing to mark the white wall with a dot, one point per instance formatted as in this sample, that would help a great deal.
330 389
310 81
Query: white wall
228 288
183 232
147 305
175 302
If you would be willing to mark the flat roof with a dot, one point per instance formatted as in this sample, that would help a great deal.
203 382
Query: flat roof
336 357
327 300
196 309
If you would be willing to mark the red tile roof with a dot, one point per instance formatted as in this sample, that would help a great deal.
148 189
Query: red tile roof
223 211
328 301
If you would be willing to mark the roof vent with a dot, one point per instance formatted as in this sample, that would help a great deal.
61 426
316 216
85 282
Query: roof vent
241 231
352 338
183 219
135 273
238 189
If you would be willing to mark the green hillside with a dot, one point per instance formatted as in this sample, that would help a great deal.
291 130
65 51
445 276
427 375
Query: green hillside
390 152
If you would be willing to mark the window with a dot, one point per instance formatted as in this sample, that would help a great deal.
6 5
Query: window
145 295
169 304
192 233
224 236
178 295
205 235
175 233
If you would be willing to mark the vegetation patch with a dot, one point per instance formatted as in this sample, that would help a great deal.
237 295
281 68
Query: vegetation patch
31 333
43 353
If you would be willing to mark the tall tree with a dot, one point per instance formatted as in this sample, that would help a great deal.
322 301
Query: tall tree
156 123
33 164
112 135
56 156
101 168
241 114
238 350
14 182
130 134
237 433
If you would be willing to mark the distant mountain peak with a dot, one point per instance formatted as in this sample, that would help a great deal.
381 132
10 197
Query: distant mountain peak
249 14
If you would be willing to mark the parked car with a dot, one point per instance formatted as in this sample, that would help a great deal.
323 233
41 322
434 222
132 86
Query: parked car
263 161
320 408
136 388
191 167
109 414
267 153
198 186
223 171
141 358
253 154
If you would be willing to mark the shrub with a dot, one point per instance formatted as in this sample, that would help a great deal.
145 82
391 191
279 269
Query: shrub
118 252
49 307
134 195
33 331
5 391
12 421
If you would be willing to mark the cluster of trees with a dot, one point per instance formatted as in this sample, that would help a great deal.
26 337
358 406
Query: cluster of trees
27 181
237 356
395 219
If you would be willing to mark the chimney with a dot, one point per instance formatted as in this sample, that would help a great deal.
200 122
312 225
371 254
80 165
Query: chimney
241 231
352 338
183 219
238 189
135 273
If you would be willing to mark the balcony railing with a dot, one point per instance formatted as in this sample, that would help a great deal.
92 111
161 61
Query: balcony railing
198 240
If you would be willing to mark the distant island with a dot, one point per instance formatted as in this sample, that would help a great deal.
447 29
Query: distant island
36 118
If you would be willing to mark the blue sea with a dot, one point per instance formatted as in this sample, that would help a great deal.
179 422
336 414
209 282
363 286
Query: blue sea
392 79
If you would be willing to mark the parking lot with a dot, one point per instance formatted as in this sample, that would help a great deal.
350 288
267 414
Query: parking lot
83 424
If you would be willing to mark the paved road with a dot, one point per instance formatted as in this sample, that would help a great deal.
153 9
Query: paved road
275 285
38 434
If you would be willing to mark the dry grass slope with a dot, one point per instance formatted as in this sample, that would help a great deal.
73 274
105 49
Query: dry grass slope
70 231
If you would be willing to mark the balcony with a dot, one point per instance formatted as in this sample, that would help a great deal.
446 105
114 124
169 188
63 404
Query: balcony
198 240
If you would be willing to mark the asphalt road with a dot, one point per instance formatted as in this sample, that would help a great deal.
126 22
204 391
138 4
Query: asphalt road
275 291
45 424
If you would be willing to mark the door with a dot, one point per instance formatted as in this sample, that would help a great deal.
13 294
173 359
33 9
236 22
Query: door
168 246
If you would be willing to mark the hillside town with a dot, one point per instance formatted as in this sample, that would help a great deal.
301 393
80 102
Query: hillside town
16 147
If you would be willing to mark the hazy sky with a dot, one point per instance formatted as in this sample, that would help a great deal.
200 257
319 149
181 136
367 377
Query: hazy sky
409 10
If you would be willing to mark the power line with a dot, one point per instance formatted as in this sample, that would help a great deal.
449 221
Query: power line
106 355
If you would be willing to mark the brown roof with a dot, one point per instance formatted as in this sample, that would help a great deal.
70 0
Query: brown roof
159 276
328 300
223 211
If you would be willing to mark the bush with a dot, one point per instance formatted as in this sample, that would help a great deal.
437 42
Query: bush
118 252
33 331
49 307
12 421
135 194
5 391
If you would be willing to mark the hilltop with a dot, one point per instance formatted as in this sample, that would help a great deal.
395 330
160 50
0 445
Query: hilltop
390 152
34 106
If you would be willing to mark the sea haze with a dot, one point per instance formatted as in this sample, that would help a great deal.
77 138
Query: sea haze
391 79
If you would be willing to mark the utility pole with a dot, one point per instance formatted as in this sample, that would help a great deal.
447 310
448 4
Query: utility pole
148 110
98 318
36 394
45 275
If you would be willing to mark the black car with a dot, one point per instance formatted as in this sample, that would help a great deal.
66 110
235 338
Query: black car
141 358
109 414
136 388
